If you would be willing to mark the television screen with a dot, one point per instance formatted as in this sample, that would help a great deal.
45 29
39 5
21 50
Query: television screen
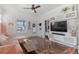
60 26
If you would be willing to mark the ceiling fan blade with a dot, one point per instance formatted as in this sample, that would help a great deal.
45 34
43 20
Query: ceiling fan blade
34 10
37 6
27 8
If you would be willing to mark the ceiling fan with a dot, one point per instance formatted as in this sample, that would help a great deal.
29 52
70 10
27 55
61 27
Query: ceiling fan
33 8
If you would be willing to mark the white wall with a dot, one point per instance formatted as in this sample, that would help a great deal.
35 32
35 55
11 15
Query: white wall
69 41
47 16
78 29
10 16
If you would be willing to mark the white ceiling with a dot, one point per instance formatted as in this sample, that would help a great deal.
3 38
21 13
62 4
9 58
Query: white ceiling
19 8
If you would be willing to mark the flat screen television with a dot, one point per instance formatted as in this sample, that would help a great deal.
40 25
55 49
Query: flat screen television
60 26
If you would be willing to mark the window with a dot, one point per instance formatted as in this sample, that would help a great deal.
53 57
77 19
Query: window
20 25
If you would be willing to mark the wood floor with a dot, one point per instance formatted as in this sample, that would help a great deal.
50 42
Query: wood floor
55 47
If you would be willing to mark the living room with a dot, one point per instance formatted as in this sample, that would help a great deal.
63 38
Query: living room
38 28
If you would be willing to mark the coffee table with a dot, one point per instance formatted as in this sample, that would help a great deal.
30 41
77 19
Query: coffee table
29 47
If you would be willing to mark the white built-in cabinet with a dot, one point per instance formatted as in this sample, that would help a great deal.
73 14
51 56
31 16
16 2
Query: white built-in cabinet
68 39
